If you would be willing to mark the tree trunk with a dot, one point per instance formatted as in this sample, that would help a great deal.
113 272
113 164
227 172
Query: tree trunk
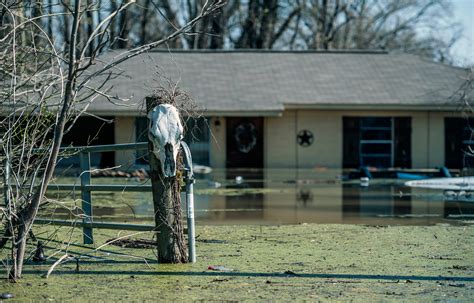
90 27
28 214
144 22
217 30
124 28
65 27
167 206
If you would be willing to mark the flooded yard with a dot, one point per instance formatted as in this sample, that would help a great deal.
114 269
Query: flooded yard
276 235
284 197
314 262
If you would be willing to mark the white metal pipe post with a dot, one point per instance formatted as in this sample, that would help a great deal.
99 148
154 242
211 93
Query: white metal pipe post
189 179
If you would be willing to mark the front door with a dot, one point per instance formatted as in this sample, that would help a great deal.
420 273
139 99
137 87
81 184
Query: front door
244 142
458 136
244 154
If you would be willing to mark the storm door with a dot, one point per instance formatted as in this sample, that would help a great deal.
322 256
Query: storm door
244 167
244 142
459 142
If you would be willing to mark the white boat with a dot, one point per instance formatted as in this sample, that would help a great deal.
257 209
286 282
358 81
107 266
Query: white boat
454 184
454 189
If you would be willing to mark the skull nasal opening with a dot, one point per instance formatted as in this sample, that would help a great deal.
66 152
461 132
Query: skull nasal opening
168 148
169 165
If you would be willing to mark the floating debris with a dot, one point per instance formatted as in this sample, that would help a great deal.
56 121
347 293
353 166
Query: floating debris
214 184
6 295
457 284
212 241
364 181
219 268
202 169
239 180
133 243
140 174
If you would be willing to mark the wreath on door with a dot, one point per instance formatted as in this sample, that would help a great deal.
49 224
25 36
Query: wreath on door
245 135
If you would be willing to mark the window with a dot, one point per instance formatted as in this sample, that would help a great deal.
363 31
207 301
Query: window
376 141
141 128
91 131
196 135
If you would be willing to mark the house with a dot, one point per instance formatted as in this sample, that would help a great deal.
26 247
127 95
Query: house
297 109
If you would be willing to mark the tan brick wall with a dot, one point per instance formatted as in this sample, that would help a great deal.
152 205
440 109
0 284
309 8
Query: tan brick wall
280 141
218 143
435 153
125 133
326 149
282 151
428 138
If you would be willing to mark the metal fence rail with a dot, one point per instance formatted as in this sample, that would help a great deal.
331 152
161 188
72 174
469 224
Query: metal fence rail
86 188
102 225
101 187
106 148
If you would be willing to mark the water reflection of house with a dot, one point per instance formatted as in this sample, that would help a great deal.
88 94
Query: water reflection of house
380 201
286 109
380 204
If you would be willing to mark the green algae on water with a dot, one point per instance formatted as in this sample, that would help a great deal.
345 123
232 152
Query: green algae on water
276 263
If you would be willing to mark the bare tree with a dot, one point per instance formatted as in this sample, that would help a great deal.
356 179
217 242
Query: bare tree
239 24
415 26
411 26
260 24
463 97
43 87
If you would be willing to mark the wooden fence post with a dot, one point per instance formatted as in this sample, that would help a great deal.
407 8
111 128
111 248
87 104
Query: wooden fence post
167 207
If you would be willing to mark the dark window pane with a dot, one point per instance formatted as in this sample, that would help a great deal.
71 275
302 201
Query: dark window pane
141 128
402 142
197 136
376 135
376 161
350 144
376 149
468 134
91 131
376 122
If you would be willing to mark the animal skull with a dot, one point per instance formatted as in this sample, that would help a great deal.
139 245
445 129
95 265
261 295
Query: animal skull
165 133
